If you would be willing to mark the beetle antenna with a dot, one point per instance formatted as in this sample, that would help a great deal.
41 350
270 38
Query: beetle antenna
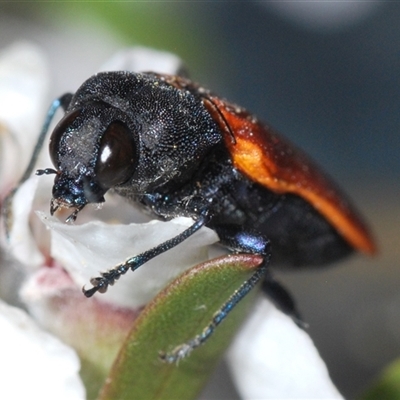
63 101
46 171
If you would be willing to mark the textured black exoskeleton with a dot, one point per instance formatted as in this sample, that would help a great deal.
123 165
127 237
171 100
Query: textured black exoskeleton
175 149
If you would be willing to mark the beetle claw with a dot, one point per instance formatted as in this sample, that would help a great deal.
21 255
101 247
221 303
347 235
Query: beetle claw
89 292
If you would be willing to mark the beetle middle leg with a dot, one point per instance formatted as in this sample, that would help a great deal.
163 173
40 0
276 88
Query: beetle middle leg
234 238
245 242
184 349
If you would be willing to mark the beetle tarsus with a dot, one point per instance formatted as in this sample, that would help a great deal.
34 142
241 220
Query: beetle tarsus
179 353
100 284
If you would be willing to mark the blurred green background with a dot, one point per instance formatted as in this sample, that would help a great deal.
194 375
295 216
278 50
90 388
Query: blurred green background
327 77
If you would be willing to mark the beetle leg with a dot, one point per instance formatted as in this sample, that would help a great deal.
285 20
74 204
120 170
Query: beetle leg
63 102
283 300
252 242
101 283
184 349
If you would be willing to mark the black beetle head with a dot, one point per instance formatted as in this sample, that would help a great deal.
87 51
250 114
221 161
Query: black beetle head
92 151
133 133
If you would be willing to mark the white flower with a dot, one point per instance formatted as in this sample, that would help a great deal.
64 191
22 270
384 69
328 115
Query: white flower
24 84
59 260
271 358
35 364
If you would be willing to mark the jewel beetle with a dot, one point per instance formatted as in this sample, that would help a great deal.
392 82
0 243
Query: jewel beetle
176 149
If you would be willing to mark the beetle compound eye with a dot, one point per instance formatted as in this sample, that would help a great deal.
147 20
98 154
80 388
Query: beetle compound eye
55 140
116 159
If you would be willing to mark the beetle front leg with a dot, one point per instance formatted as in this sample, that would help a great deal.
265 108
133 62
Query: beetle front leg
101 283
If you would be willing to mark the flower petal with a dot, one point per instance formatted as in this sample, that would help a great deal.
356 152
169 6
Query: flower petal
23 88
33 363
85 250
94 328
22 244
271 358
143 59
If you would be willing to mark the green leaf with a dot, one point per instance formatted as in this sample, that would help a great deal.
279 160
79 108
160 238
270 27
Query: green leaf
176 315
388 385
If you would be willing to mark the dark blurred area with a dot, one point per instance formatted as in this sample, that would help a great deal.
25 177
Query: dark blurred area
333 88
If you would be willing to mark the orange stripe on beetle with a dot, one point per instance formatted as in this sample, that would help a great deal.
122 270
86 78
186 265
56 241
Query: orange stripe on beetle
268 159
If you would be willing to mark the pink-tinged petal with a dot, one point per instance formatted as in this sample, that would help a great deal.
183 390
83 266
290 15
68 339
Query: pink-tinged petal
85 250
95 329
272 358
34 364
